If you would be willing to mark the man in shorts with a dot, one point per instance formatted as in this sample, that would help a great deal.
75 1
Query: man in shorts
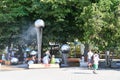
89 55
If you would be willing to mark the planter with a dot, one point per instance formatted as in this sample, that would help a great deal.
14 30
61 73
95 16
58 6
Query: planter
7 63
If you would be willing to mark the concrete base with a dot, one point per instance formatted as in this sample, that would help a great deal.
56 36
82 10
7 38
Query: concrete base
83 64
64 65
33 66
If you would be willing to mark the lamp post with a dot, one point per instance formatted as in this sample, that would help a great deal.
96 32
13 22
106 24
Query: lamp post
39 24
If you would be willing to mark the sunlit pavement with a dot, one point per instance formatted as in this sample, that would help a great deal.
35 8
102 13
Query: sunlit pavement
13 67
71 73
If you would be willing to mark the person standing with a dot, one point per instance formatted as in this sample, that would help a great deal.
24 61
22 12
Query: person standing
90 55
48 53
95 62
46 59
52 59
3 57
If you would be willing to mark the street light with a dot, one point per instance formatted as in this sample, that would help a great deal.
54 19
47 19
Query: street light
39 24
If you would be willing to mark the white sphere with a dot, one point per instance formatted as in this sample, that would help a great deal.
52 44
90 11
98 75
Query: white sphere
65 48
31 62
33 53
39 23
14 60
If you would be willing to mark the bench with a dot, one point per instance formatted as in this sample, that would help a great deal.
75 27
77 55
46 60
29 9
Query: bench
73 61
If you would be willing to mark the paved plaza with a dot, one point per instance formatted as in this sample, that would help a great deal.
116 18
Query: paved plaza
71 73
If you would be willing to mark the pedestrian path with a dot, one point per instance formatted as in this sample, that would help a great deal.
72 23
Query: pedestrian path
69 73
12 67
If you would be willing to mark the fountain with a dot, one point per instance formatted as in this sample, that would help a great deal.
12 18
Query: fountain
65 50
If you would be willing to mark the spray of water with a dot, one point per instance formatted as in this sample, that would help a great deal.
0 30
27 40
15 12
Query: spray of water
29 35
31 32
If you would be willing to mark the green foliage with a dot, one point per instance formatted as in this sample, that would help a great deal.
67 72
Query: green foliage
100 24
93 21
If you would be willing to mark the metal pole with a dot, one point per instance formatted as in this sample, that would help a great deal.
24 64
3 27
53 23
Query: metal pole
39 39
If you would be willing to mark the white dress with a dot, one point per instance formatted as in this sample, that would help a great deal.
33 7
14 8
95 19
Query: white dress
46 60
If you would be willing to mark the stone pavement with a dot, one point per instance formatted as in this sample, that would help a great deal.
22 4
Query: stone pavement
12 67
71 73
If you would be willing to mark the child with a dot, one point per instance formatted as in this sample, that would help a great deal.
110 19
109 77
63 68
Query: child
95 62
53 59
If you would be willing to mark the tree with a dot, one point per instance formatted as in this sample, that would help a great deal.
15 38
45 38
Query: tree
93 21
